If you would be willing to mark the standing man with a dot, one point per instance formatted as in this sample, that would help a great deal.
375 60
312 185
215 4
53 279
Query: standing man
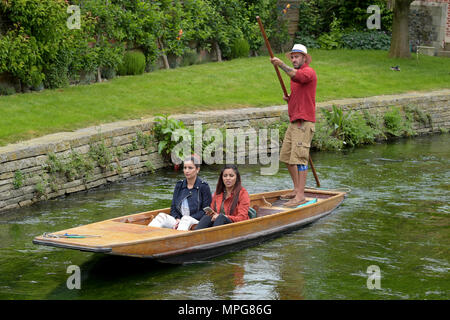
302 115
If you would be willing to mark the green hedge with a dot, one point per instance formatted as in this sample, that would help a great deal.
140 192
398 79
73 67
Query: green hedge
366 40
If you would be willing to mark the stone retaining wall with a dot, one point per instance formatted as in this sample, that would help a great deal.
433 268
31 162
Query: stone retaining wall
24 178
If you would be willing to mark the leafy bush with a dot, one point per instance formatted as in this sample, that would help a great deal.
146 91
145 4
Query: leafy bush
6 90
308 41
332 40
376 40
323 138
133 63
316 16
240 49
338 129
357 131
393 122
163 131
189 58
350 127
376 122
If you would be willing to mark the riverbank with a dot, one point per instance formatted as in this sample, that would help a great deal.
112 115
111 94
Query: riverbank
68 162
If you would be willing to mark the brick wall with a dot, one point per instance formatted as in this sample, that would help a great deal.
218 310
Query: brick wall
448 16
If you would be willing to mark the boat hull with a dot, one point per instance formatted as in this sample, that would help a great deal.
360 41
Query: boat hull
205 252
130 235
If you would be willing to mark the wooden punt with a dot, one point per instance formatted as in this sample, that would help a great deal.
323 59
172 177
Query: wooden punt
131 236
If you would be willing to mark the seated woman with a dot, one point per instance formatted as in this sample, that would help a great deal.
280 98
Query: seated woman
190 196
230 202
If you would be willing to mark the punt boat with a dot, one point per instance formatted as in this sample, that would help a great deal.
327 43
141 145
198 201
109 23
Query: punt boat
131 236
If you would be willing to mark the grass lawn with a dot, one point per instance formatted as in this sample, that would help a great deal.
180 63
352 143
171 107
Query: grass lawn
247 82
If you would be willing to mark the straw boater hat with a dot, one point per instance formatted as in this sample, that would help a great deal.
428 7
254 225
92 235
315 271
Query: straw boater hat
302 49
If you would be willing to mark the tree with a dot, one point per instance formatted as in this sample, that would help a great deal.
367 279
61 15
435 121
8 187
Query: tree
400 29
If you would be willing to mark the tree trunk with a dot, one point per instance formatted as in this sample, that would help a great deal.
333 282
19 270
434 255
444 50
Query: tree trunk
164 56
400 30
99 74
218 51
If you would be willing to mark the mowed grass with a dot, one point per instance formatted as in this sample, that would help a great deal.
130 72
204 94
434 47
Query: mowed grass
238 83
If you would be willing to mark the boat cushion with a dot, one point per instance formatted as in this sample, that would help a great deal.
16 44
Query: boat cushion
251 213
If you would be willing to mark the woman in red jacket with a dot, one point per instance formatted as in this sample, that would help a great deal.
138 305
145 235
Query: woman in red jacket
230 202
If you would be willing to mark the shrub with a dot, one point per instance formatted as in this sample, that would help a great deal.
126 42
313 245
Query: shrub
332 40
366 40
323 138
163 131
393 122
133 63
357 132
308 41
240 48
189 58
376 122
19 179
6 90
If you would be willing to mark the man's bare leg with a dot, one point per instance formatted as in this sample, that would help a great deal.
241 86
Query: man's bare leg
300 192
293 171
299 179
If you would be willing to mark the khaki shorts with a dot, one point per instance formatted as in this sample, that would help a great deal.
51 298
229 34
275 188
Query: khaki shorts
297 141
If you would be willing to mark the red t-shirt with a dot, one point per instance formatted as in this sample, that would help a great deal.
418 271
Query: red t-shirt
302 101
240 212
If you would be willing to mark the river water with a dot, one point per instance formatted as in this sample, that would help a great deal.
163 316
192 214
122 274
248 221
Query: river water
395 218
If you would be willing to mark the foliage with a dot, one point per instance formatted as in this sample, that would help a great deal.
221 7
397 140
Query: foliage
351 127
37 46
189 58
393 122
76 166
376 122
100 154
316 16
133 63
336 119
418 115
366 40
6 90
35 30
18 179
307 41
163 131
338 129
323 138
240 49
332 40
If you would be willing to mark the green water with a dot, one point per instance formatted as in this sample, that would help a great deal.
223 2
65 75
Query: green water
396 217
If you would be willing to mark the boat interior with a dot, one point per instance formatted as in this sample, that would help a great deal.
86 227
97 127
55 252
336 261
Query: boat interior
263 205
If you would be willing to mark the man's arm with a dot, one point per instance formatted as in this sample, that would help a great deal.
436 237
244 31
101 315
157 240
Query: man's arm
289 71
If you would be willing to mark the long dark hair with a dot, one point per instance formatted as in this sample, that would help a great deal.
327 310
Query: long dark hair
220 188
